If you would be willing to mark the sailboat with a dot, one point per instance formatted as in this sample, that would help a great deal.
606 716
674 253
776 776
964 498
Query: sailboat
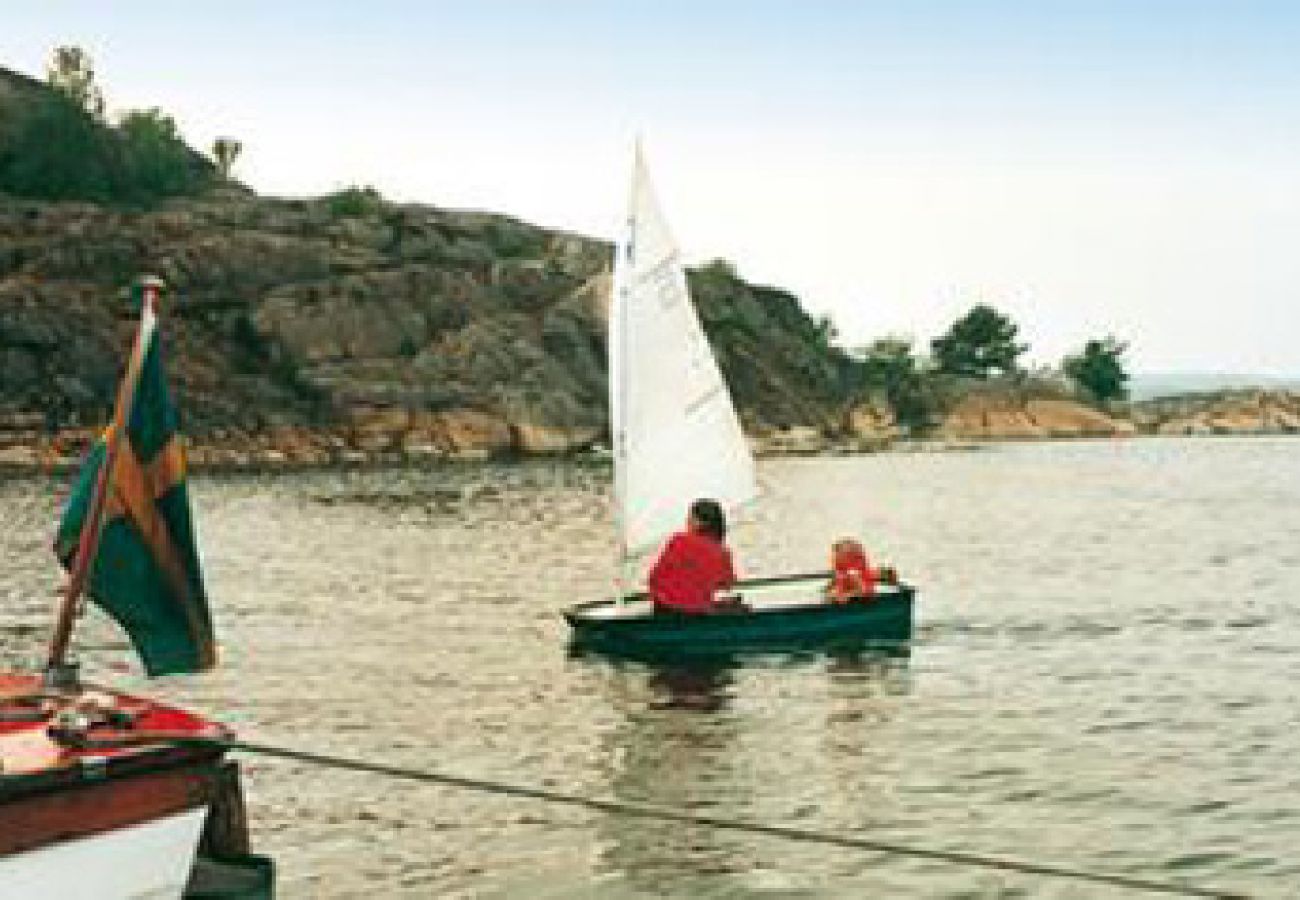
676 437
105 795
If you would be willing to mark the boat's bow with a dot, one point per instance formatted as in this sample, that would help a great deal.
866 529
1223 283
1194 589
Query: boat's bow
101 794
104 795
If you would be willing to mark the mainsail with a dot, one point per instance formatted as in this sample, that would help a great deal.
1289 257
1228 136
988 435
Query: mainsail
675 432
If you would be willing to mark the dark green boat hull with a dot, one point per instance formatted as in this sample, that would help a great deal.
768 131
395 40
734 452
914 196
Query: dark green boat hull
815 624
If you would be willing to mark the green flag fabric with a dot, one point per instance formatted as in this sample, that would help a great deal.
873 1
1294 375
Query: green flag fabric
146 572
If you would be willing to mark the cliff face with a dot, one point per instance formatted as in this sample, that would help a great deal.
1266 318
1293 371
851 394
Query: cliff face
310 331
316 330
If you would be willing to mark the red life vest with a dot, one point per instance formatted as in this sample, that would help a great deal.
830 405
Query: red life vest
853 576
690 570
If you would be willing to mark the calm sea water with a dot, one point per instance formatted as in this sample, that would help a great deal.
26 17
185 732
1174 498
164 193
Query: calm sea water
1104 676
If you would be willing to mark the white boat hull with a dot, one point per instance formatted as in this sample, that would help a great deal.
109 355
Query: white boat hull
150 861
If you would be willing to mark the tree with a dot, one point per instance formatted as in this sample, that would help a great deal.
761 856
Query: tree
825 331
887 365
156 163
979 343
886 361
1099 369
71 74
225 151
58 146
57 151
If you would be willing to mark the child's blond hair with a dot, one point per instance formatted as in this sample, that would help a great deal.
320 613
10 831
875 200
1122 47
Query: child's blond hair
846 545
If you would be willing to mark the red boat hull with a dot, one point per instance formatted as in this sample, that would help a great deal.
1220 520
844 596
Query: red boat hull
87 777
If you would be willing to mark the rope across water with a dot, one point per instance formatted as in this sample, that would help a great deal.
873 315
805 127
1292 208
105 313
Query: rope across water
669 815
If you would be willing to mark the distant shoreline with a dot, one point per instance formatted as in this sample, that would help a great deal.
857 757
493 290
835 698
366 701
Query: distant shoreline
271 462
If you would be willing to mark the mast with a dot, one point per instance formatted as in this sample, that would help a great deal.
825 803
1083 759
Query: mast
59 673
617 353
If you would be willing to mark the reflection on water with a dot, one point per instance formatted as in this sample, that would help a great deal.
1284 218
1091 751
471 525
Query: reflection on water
686 742
675 748
699 687
1103 676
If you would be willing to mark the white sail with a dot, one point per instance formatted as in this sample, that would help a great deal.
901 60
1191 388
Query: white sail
675 432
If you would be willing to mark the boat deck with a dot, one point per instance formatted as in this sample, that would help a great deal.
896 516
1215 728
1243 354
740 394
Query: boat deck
120 727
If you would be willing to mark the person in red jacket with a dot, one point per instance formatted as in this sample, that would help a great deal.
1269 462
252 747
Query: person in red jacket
695 564
852 577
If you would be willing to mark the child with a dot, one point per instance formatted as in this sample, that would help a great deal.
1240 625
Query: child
852 577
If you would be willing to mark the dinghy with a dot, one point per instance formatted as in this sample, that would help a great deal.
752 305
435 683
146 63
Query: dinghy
105 795
676 437
790 617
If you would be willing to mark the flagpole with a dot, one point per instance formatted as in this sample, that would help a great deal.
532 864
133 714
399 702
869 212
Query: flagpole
59 673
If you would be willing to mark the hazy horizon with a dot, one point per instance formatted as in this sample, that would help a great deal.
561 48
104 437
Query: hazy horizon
1086 168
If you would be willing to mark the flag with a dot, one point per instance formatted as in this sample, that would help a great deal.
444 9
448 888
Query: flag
145 572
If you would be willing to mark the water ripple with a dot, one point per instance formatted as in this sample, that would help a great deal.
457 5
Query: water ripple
1103 676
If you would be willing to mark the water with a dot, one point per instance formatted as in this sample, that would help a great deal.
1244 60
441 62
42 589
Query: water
1103 676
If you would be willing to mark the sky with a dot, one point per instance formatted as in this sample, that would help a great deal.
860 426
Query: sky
1128 167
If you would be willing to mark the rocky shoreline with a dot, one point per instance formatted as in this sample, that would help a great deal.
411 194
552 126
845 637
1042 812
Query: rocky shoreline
349 330
394 437
346 329
1221 412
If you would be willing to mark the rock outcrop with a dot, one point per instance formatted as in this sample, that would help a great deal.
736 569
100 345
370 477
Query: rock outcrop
1221 412
308 332
999 415
344 329
997 411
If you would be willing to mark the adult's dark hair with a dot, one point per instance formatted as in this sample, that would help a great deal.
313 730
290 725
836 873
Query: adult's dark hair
711 518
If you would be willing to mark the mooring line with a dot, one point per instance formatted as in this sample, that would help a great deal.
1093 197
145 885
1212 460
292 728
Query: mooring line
803 835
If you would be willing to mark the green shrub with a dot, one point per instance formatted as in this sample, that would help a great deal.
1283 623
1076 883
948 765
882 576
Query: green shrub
1099 369
888 367
515 242
156 163
354 202
59 148
57 151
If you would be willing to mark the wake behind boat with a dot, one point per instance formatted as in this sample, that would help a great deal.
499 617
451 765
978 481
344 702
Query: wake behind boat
675 437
